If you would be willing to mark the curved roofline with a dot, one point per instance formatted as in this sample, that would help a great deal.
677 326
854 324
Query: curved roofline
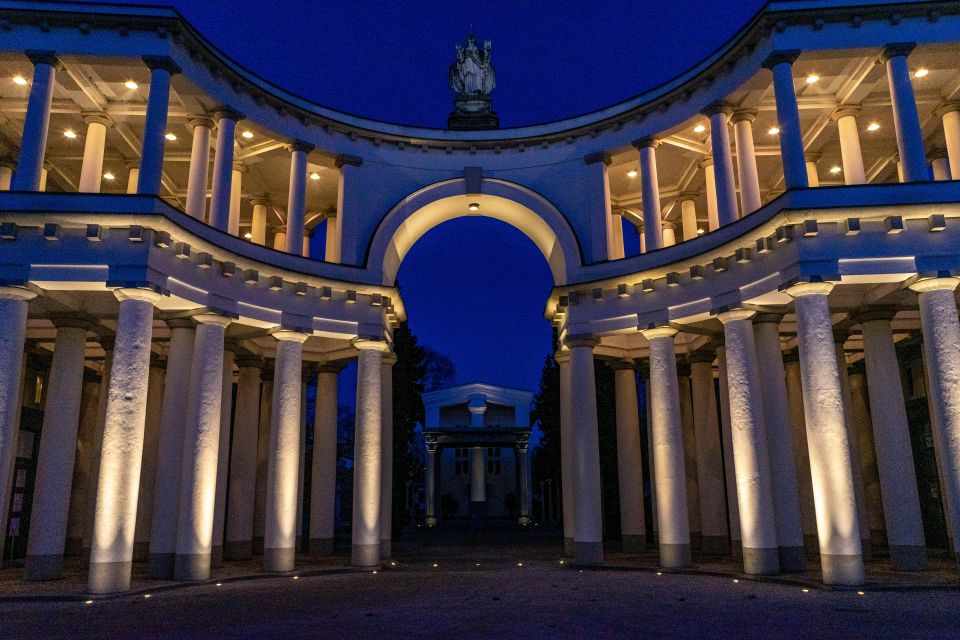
753 28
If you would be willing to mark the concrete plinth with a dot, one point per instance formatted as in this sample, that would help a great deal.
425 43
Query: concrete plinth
365 555
278 560
191 567
761 562
674 556
842 570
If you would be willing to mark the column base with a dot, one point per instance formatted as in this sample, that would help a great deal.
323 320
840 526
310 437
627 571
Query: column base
761 562
674 556
587 553
191 567
216 557
73 548
108 577
736 549
715 545
141 551
792 559
258 545
906 558
386 550
279 560
633 543
431 521
568 547
842 570
238 549
43 567
478 511
321 546
523 520
161 565
866 547
878 539
696 541
811 544
365 555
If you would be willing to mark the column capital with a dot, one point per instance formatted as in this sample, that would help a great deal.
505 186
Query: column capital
73 321
201 120
946 107
37 56
131 164
561 357
623 365
227 113
937 153
731 315
179 323
212 318
705 161
345 159
132 293
809 288
259 201
664 224
871 314
581 340
162 62
717 107
772 317
840 336
365 344
288 335
897 49
17 293
687 195
8 162
300 145
249 362
935 284
239 166
662 331
648 142
599 156
389 358
845 112
743 115
788 56
280 229
96 118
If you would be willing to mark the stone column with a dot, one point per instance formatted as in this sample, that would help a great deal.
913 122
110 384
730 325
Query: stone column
750 448
780 64
783 465
898 484
430 480
688 216
813 178
280 238
148 468
566 452
710 178
689 456
258 227
6 173
949 114
588 516
367 455
863 434
295 202
263 454
652 473
199 167
332 247
629 460
236 183
478 484
91 169
166 489
726 187
798 429
730 475
243 462
283 464
523 469
668 464
746 159
616 223
669 233
155 126
940 165
851 420
323 481
226 120
201 445
941 335
386 450
223 455
847 129
133 176
307 235
841 555
58 442
90 501
905 118
111 551
33 142
650 186
713 506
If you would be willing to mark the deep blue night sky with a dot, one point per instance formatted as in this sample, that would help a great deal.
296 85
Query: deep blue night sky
475 289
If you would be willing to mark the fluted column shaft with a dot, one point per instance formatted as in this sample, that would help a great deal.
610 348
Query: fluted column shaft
386 451
723 165
729 476
33 142
853 172
588 517
950 118
367 452
296 199
629 460
688 216
223 458
650 187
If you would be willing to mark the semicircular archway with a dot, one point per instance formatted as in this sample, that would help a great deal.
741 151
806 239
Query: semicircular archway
508 202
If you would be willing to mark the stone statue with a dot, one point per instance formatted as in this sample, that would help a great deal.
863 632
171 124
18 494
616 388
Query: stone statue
473 79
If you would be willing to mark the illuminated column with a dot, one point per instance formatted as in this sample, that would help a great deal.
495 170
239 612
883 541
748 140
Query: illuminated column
650 187
295 202
669 233
332 246
199 166
523 469
650 458
949 114
668 464
133 176
33 142
750 447
226 120
280 238
798 429
91 169
688 215
367 455
783 466
868 457
710 179
616 229
90 501
155 126
901 176
6 173
629 460
746 159
713 506
148 468
263 454
201 440
850 420
478 484
258 228
43 176
243 462
585 453
726 188
813 177
566 452
780 64
841 557
166 488
236 184
111 551
941 335
846 119
386 449
58 443
323 481
905 117
940 165
689 456
730 476
305 245
430 480
223 455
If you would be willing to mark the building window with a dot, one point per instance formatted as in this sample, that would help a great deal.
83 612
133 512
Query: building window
493 460
462 461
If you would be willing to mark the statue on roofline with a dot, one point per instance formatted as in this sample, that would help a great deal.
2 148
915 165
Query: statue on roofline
472 73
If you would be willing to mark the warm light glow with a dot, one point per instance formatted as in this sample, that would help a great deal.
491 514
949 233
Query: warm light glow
919 73
699 128
69 133
146 595
296 577
393 564
88 602
659 574
248 235
859 593
773 131
131 84
519 564
835 169
632 173
873 126
109 176
20 80
812 78
700 231
735 580
219 584
473 206
435 565
806 590
247 134
314 176
171 137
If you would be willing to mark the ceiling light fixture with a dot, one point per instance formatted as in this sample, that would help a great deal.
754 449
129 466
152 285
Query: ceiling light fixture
835 169
919 73
314 176
699 128
700 231
69 133
247 134
20 80
632 173
773 131
108 176
248 235
873 126
473 206
131 84
171 137
812 78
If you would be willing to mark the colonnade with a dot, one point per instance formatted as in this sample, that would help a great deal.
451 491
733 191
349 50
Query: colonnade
794 434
